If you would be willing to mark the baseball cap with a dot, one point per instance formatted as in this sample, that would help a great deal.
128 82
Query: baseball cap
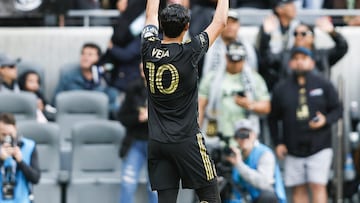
233 14
6 61
301 50
243 128
276 3
236 51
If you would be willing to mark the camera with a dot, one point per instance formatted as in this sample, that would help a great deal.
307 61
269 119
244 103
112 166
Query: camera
10 140
223 167
8 185
240 93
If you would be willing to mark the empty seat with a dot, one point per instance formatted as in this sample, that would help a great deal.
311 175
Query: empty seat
75 106
95 174
78 105
46 136
22 104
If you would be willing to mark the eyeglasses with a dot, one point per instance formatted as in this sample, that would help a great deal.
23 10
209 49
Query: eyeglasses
303 34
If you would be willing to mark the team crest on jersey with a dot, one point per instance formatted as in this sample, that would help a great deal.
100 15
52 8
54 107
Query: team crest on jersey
159 53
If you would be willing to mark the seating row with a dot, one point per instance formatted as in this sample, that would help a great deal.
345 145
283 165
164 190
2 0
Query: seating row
95 172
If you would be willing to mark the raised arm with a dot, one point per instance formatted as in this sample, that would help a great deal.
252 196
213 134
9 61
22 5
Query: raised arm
219 20
152 9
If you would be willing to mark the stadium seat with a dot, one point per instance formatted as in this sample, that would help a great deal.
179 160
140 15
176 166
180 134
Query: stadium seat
95 174
73 107
22 105
46 136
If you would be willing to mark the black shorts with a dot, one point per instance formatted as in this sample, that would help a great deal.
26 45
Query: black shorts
188 161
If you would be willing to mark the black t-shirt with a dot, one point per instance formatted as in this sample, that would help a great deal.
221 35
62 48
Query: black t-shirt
172 82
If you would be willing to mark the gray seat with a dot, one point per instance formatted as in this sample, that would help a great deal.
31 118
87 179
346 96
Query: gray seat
22 104
46 136
78 105
95 174
72 107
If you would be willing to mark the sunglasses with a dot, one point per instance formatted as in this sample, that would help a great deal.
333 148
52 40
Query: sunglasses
8 66
242 134
303 34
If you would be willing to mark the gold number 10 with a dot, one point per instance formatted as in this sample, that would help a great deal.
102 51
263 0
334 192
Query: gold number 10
156 79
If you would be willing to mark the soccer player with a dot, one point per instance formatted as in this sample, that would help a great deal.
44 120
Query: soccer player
176 147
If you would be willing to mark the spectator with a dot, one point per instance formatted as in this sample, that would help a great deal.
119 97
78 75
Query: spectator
86 4
255 167
8 74
344 4
215 57
305 37
86 77
306 105
30 81
134 116
18 162
201 15
233 94
310 4
258 4
276 31
126 61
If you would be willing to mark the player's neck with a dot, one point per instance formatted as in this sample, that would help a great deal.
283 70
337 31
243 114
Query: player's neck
168 40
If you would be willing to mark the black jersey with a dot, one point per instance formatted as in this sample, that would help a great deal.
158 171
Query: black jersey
172 82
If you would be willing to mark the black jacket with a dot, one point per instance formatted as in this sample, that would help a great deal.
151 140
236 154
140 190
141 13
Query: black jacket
297 135
136 97
274 67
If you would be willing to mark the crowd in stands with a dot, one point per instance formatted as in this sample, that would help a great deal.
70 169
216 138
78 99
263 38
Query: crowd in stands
54 12
281 83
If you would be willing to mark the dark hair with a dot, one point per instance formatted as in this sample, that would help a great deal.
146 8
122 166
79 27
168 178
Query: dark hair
173 20
23 77
92 45
7 118
308 26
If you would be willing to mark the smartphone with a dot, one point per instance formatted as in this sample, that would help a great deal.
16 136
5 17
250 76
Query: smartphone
315 119
240 93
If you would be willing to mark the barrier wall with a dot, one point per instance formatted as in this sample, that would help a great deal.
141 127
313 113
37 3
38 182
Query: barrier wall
53 47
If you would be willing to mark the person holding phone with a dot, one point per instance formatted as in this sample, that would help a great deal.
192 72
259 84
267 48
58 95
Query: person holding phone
236 93
304 105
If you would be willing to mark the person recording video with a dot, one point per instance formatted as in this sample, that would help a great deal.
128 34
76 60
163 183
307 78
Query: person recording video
255 170
19 164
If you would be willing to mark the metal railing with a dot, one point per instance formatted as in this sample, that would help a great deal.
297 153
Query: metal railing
248 16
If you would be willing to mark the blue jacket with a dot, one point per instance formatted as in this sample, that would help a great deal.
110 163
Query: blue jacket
22 188
252 161
73 79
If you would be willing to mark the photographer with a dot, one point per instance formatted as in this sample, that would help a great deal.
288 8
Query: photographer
255 168
18 163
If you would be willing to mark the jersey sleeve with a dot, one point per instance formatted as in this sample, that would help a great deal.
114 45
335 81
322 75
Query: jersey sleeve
149 35
200 45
